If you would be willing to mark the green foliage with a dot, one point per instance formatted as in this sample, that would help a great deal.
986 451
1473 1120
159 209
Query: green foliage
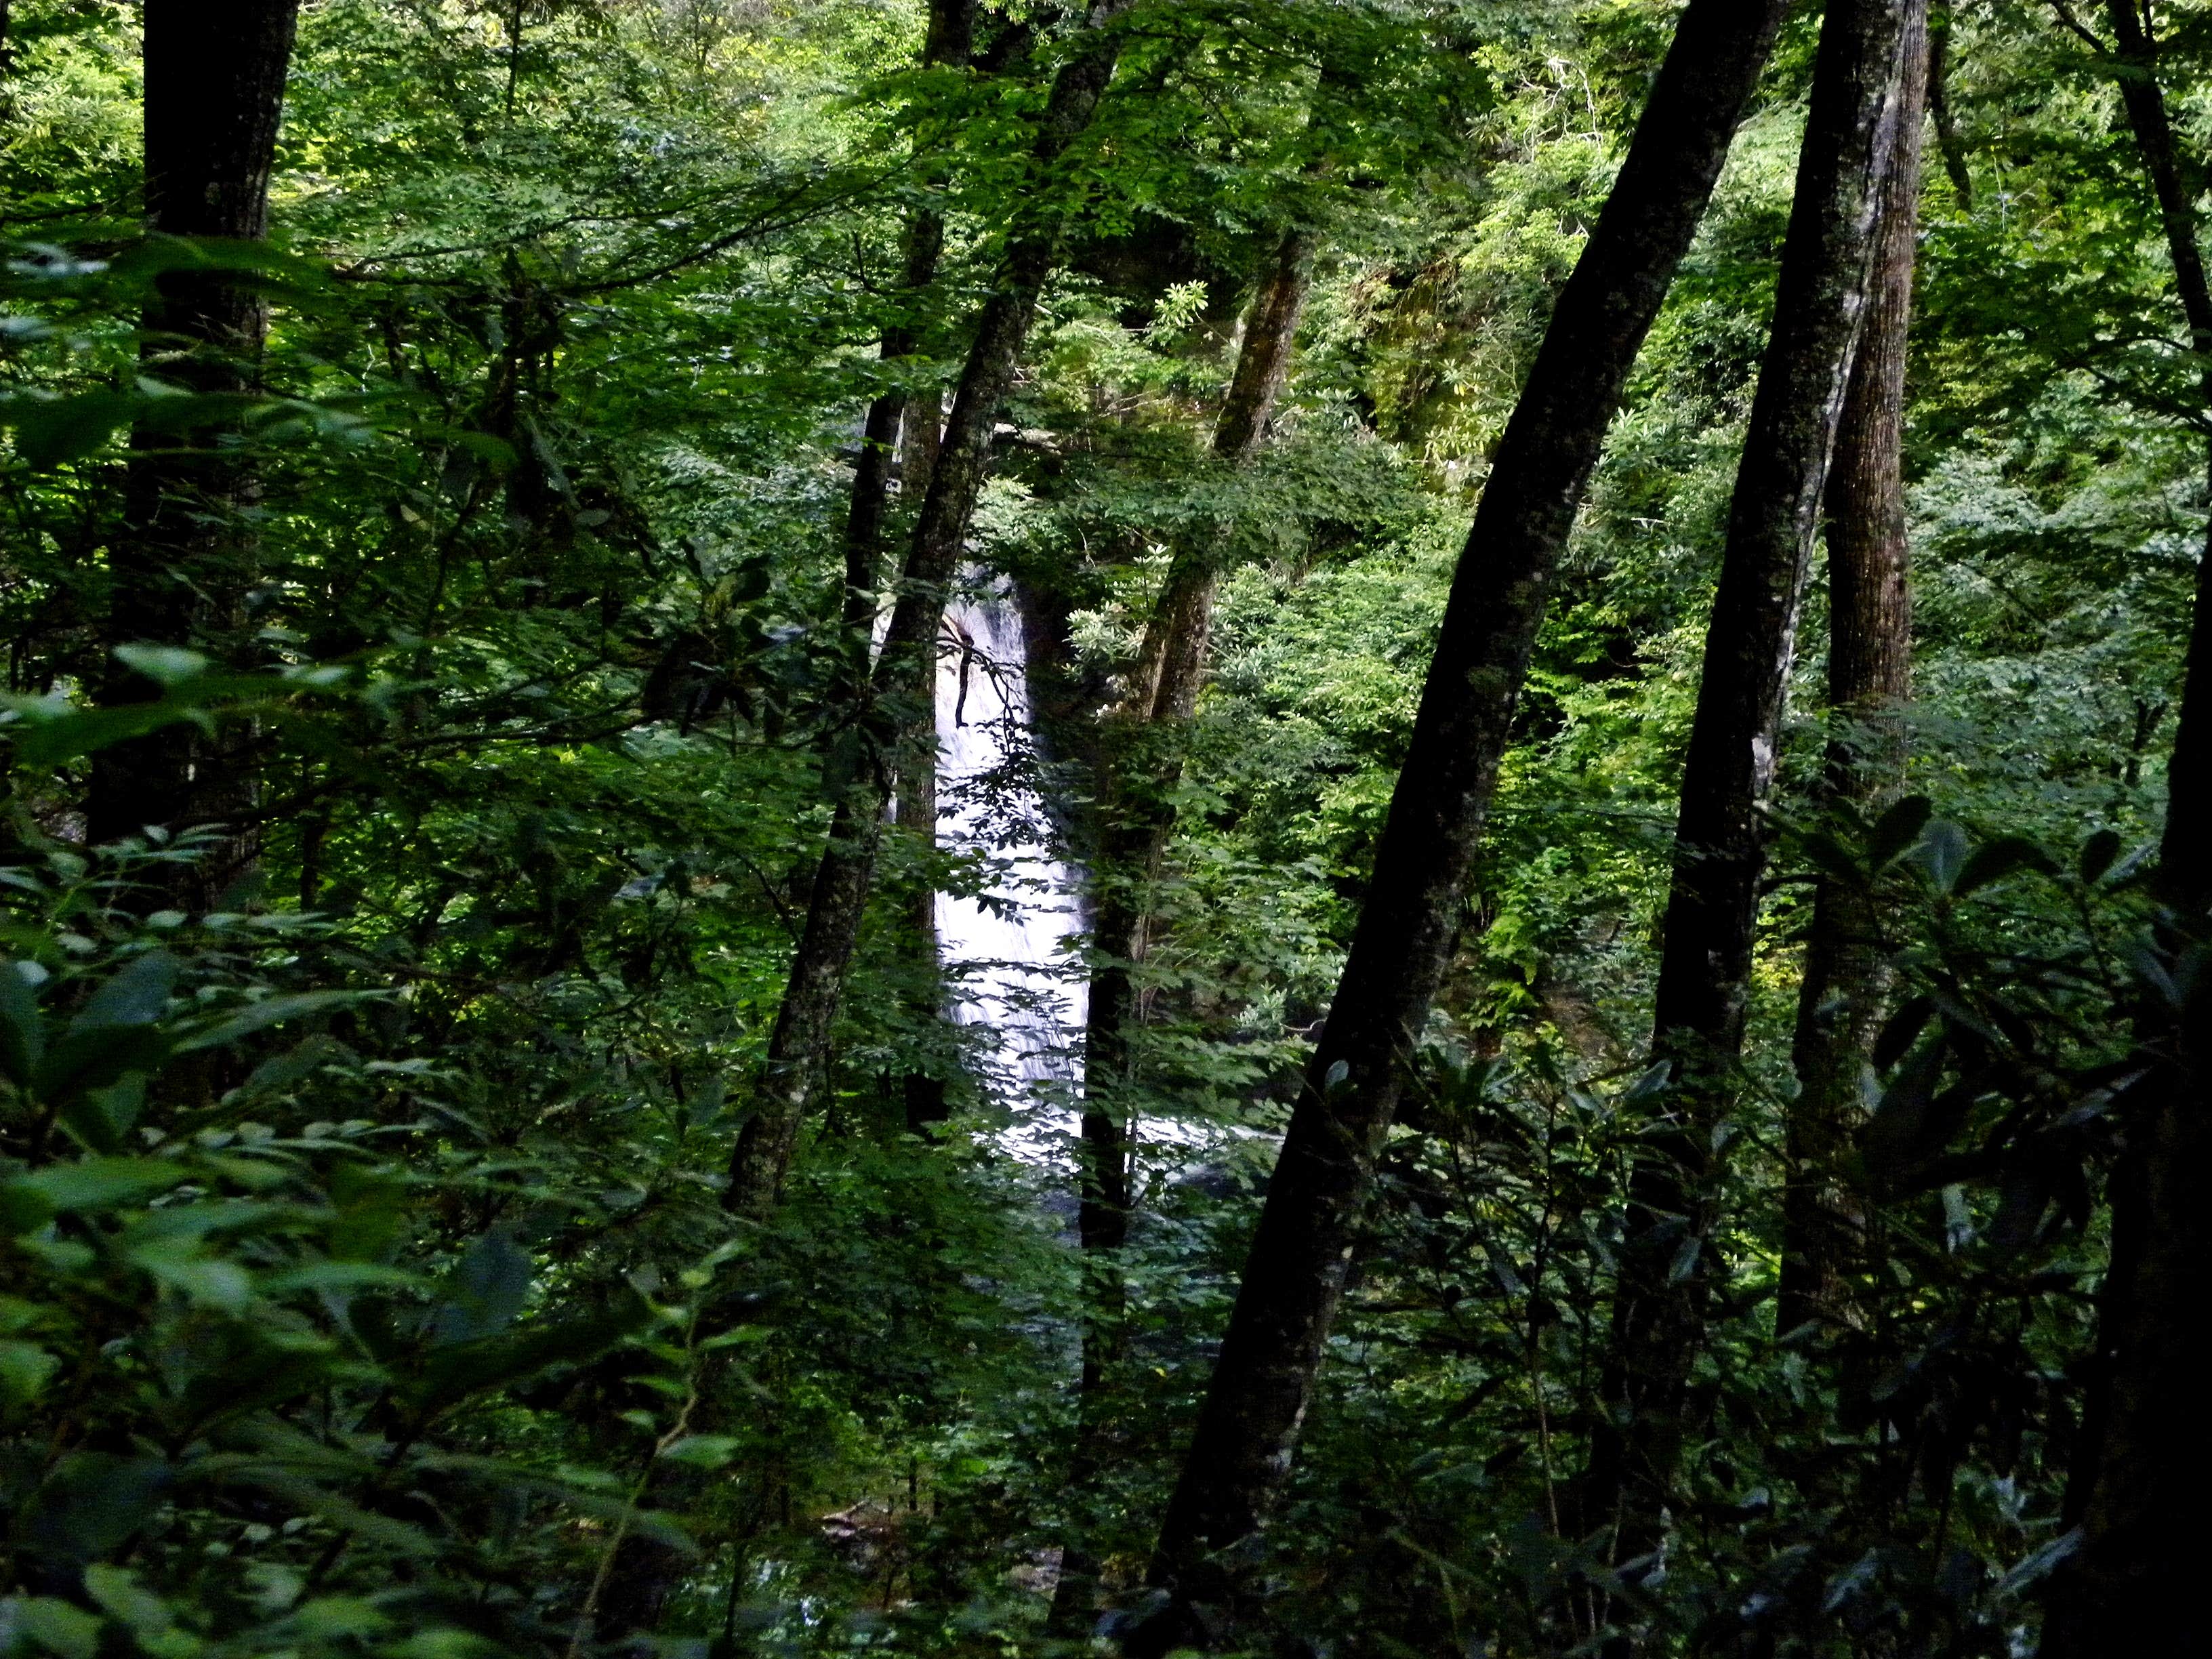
366 1286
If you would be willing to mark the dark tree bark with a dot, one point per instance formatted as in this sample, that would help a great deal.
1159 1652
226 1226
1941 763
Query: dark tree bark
1240 1454
1948 144
949 44
2138 1491
1720 850
798 1066
904 426
1845 990
180 569
1137 819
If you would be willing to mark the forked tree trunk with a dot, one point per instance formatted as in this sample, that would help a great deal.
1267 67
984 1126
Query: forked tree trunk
797 1070
1845 990
1137 815
1240 1454
180 568
1851 134
2142 1479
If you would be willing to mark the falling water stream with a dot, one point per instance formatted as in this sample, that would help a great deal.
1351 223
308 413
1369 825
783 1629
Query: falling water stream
1012 955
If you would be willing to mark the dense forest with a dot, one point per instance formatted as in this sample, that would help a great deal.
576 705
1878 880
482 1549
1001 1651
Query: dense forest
1303 827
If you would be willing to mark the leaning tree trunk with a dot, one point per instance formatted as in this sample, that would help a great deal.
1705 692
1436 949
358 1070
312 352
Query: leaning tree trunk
1240 1454
1851 133
1136 810
1845 989
797 1070
181 567
2149 1452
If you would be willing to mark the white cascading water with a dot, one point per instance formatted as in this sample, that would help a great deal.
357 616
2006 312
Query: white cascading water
1012 957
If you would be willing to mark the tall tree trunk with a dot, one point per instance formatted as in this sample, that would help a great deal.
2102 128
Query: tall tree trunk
1948 144
798 1065
2149 1456
179 571
903 425
1851 134
1136 818
949 42
1845 990
1241 1452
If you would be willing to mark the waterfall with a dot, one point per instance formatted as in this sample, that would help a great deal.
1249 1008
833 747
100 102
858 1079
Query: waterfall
1011 955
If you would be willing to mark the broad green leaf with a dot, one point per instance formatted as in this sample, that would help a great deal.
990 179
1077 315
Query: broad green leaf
484 1292
136 995
269 1011
165 665
25 1367
705 1451
101 1183
1898 829
56 1625
22 1026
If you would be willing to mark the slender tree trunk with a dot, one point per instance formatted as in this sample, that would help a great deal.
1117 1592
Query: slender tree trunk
2142 1474
1851 133
949 44
904 425
1137 819
181 568
1948 144
1240 1454
798 1067
647 1571
1845 990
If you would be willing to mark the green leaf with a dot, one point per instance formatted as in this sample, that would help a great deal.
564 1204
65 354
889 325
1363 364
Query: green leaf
23 1209
269 1011
222 1285
55 1626
22 1027
99 1119
136 995
165 665
1994 860
24 1369
99 1183
1942 853
49 739
2038 1565
704 1451
334 1276
127 1601
94 1503
485 1291
93 1058
1896 830
52 431
2098 852
1893 1136
450 1374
